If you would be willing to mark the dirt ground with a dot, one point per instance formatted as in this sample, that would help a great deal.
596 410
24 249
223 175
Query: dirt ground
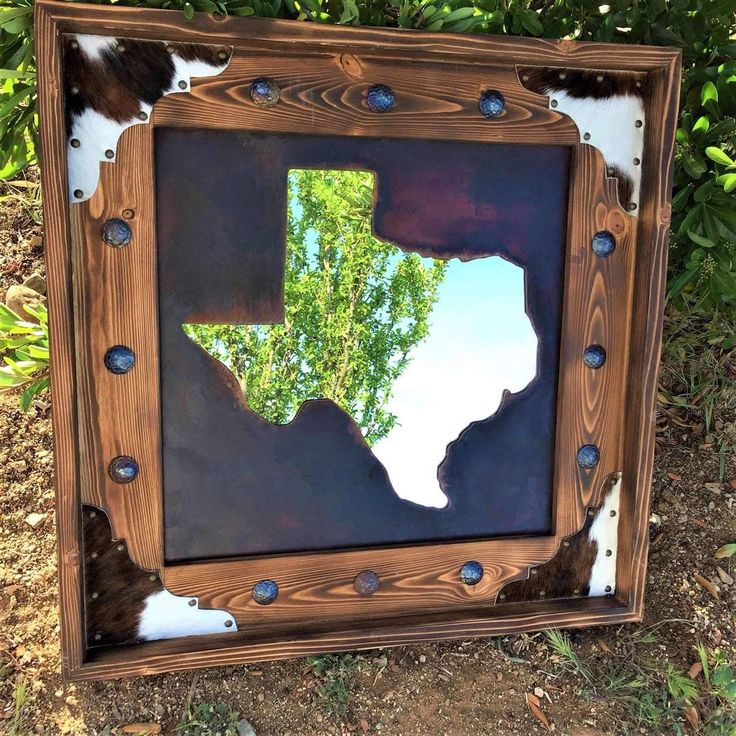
459 689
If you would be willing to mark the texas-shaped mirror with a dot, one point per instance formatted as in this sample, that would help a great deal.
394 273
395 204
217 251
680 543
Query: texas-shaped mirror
359 340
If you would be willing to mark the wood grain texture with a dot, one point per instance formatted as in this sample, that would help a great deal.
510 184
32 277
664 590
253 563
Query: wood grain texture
258 33
598 292
650 281
421 598
61 329
221 650
325 94
115 293
320 586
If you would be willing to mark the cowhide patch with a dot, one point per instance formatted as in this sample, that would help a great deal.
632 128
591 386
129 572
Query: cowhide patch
585 564
125 604
608 110
111 84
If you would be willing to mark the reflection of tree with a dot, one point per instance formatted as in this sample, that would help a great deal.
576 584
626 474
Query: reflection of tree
355 307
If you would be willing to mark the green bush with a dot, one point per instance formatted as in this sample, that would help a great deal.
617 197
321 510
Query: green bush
704 207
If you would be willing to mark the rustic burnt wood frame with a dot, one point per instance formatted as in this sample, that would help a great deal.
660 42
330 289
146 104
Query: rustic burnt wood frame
335 618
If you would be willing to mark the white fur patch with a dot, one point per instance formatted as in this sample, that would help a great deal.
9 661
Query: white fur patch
604 531
97 134
166 616
611 124
93 46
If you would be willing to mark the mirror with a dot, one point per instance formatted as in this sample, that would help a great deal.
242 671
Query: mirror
414 349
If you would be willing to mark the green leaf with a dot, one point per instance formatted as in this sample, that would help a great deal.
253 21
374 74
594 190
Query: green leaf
701 126
700 240
709 96
188 11
728 182
728 550
459 14
719 156
532 24
31 391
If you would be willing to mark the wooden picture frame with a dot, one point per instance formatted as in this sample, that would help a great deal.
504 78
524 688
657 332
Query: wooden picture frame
102 296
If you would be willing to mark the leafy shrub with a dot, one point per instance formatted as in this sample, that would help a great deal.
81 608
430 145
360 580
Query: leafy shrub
704 207
24 347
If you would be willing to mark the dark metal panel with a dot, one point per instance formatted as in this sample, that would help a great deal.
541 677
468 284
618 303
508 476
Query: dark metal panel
235 484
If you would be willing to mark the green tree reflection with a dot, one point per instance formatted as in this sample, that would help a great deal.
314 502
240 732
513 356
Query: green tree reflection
355 306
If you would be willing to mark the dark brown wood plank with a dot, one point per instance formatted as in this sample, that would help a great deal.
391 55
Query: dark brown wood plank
207 651
61 328
116 304
295 36
650 281
598 292
325 94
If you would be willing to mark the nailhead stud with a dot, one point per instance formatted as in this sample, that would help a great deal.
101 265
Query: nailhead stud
380 98
265 592
116 232
471 573
366 583
491 103
119 359
588 456
123 469
603 243
265 92
594 356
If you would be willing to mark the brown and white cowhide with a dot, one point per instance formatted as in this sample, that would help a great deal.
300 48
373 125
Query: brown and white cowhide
585 564
608 110
112 83
125 604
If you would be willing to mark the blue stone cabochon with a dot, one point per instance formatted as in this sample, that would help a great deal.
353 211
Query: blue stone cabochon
123 469
265 92
116 232
594 356
380 98
491 103
471 573
588 456
265 592
366 583
603 243
119 359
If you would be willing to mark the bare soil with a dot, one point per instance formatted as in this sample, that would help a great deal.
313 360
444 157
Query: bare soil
459 689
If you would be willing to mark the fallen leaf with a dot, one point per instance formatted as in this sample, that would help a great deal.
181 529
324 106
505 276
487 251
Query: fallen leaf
726 579
674 476
728 550
692 715
714 487
363 725
602 645
142 729
710 587
695 670
533 702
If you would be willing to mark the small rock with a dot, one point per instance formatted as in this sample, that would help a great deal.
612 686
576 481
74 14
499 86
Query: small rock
34 519
36 282
244 728
20 297
422 658
261 697
724 576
